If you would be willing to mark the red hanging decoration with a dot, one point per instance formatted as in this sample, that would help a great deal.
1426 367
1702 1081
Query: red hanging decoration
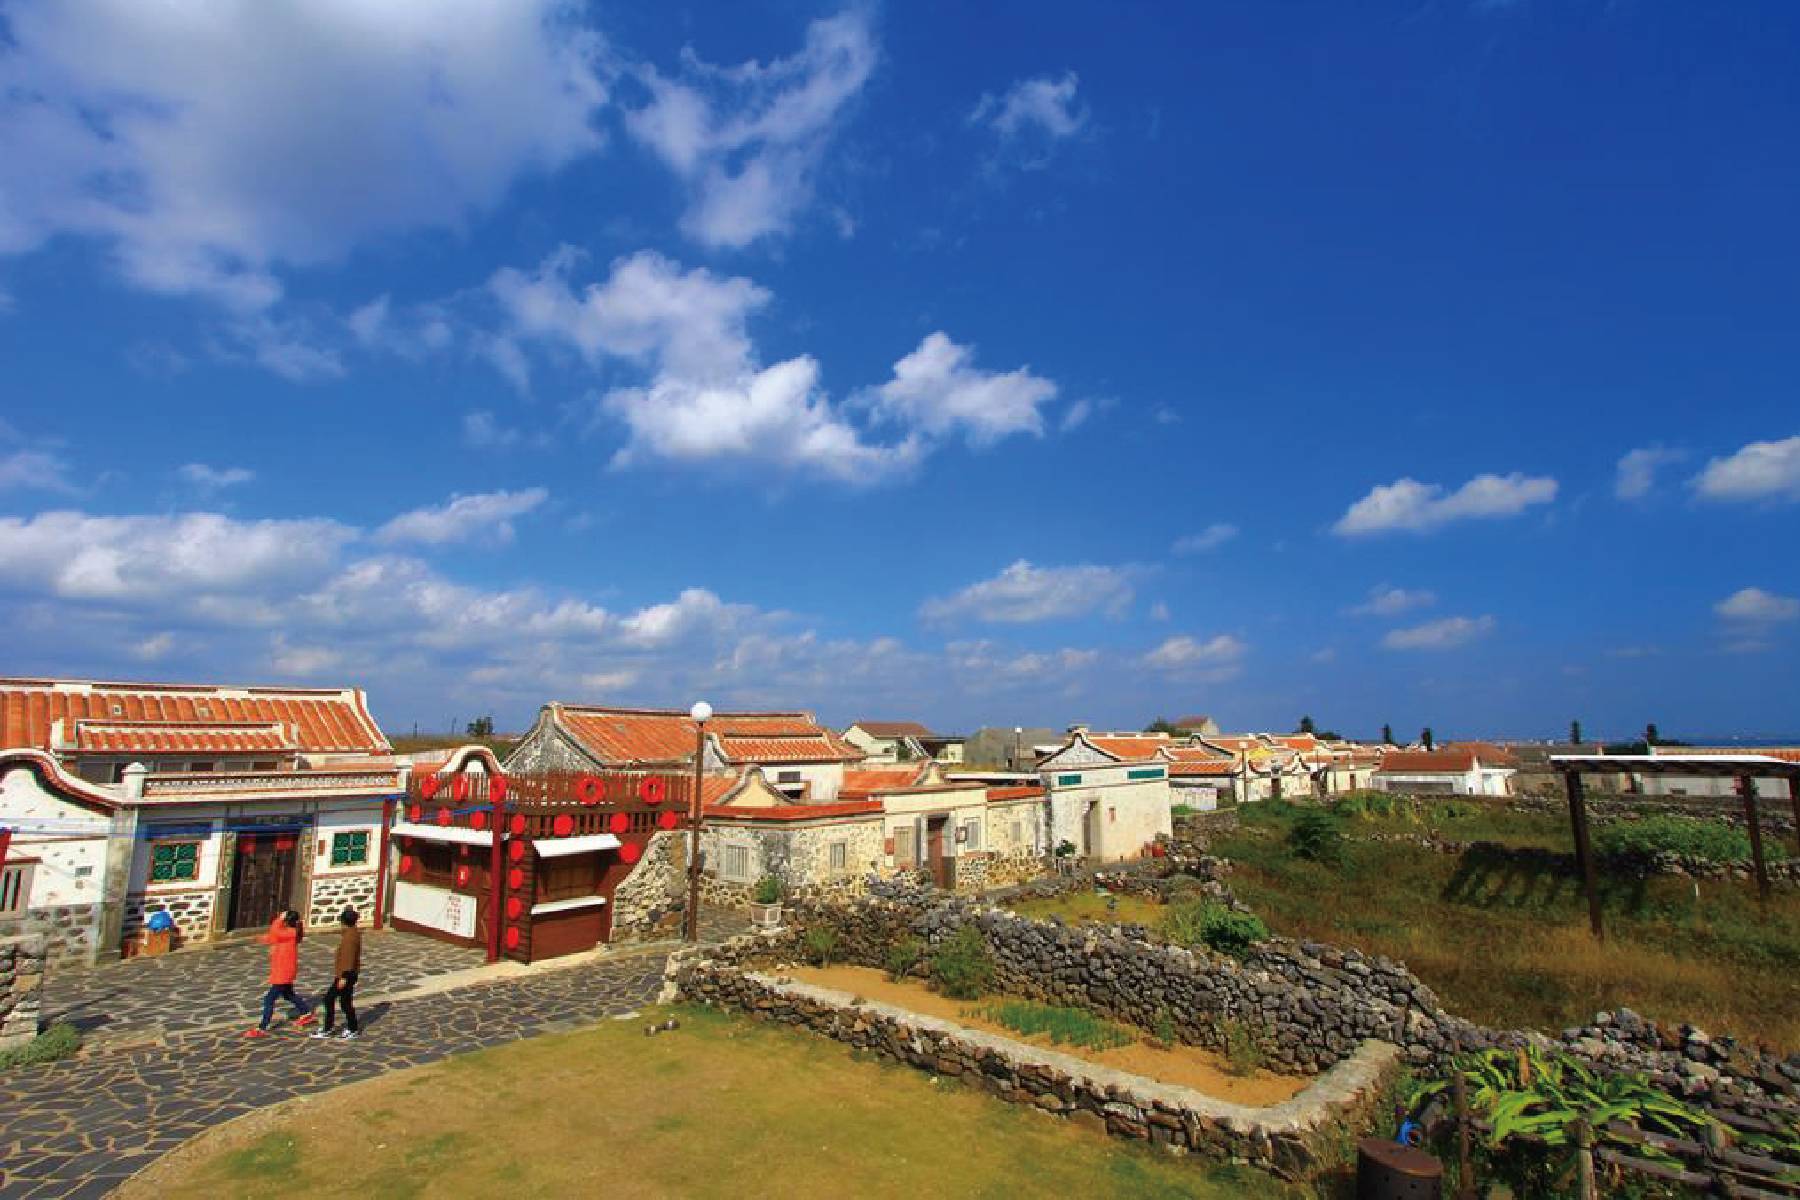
413 813
443 816
618 822
630 852
462 877
497 788
668 820
517 825
516 851
589 790
515 908
428 786
459 788
515 879
478 820
512 937
406 864
653 789
563 825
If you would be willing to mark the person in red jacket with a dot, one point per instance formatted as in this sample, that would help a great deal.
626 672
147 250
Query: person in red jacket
283 941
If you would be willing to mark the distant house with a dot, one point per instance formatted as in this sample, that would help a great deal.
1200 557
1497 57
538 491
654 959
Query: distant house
1109 794
1009 748
221 806
903 741
802 759
1456 772
1200 726
1201 777
1716 786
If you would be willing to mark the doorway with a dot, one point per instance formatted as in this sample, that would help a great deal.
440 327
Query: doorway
937 851
262 877
1091 831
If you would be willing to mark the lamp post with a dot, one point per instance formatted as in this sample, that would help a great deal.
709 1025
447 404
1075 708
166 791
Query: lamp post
701 713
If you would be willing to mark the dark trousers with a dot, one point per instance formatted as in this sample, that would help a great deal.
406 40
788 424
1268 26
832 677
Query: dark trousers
282 991
335 995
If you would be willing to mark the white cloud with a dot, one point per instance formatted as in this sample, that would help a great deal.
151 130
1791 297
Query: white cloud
213 479
483 431
937 390
1754 606
210 146
1407 504
156 646
1637 470
1075 416
1159 611
482 517
1759 471
1023 593
1210 538
748 139
1215 659
1045 106
305 662
34 470
1444 634
1387 601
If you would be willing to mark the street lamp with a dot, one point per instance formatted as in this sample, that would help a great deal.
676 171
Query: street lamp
701 713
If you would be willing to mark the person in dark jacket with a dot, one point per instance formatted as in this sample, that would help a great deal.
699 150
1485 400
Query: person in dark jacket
343 981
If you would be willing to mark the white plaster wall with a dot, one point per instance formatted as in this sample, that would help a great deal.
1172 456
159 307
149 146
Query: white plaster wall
825 778
1029 815
205 829
1131 811
346 817
69 841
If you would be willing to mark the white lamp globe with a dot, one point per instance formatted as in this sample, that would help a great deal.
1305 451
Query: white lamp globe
701 712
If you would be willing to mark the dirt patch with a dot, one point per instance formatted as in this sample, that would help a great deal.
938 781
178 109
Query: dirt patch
1188 1066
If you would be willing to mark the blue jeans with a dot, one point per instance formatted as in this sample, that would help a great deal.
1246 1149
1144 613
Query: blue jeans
285 991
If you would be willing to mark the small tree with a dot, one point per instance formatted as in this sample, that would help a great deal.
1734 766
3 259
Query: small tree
1162 725
481 727
1425 736
1387 734
1651 737
1306 725
1574 733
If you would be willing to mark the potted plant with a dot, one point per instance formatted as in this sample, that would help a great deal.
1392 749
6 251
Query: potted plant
765 903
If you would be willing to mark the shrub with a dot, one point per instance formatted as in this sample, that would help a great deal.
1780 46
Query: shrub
768 890
1075 1026
903 956
1212 924
1237 1043
821 942
963 966
1317 838
1163 1029
1182 810
1713 841
59 1041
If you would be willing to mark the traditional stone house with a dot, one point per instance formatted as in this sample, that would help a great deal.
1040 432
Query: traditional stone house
1010 748
903 741
1196 726
800 758
1651 783
1461 772
1201 777
218 805
1108 794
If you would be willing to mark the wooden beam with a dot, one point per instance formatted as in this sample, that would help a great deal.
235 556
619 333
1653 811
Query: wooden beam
1584 857
1746 786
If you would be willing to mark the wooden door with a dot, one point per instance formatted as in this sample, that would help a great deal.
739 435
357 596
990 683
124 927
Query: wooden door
261 878
936 834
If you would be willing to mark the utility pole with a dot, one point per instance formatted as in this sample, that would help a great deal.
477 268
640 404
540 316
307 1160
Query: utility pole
701 713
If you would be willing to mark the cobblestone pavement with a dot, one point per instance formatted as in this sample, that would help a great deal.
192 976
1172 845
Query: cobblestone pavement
142 1000
81 1127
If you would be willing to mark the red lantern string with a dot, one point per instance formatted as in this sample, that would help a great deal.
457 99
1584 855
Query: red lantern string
478 820
517 825
515 907
516 851
443 816
406 864
668 820
459 788
618 822
512 937
653 789
413 813
589 791
563 825
515 879
497 787
630 852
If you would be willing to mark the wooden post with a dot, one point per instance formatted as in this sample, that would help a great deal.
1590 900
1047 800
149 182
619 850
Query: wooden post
1465 1165
1584 858
496 868
1586 1187
1746 786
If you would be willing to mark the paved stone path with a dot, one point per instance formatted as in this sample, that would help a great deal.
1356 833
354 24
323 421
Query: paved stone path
80 1128
144 1000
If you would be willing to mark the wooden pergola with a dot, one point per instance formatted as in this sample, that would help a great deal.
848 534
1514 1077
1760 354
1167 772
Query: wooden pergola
1746 769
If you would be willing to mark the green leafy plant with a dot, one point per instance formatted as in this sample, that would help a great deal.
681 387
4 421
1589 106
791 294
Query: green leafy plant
1162 1029
905 954
1316 837
1665 833
821 943
768 890
1065 848
1210 923
1072 1026
59 1041
1237 1044
1182 810
962 967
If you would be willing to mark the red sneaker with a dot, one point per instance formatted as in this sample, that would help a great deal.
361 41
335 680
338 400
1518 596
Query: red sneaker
303 1022
255 1033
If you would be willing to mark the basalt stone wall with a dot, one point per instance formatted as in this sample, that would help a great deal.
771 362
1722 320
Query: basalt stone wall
650 900
331 894
71 932
192 912
1194 832
1296 1139
22 962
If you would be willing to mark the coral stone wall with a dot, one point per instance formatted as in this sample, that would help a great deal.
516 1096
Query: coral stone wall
71 932
22 962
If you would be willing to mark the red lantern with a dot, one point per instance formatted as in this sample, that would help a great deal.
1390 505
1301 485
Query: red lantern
589 790
443 816
462 877
563 825
477 820
516 851
512 937
618 823
515 907
515 879
668 820
413 813
630 852
517 825
428 786
653 789
406 864
459 788
497 788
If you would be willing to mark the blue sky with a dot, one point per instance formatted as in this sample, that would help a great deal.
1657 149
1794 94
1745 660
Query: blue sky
1423 363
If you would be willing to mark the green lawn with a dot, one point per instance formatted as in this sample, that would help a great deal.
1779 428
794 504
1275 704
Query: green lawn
1509 945
723 1106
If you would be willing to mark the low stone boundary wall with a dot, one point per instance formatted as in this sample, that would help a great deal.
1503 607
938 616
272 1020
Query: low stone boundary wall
21 988
1295 1139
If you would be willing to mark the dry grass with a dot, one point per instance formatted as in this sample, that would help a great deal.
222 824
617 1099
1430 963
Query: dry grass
1091 908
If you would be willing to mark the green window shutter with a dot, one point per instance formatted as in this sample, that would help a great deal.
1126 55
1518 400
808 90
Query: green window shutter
1145 773
1067 780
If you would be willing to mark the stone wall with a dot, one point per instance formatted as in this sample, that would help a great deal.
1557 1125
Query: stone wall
1296 1139
332 893
21 988
71 932
192 911
1194 832
649 902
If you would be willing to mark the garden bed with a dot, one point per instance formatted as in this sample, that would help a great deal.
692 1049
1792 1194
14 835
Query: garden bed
1187 1066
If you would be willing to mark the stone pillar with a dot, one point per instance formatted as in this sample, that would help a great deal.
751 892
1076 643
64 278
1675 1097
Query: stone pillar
21 988
121 854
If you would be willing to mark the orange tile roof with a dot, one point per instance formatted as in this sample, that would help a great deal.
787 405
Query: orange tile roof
826 747
1298 741
794 812
1428 761
861 781
1213 766
164 737
622 736
1132 748
1194 754
321 719
1014 793
1785 753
